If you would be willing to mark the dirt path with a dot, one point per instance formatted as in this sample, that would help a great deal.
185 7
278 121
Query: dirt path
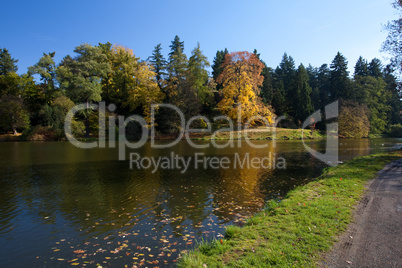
374 239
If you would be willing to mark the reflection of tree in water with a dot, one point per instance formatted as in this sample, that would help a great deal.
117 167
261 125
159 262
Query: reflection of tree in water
238 192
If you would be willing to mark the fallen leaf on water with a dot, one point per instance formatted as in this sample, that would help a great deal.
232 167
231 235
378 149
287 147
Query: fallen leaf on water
79 251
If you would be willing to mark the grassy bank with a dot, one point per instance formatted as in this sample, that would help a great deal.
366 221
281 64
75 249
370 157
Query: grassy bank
296 231
262 133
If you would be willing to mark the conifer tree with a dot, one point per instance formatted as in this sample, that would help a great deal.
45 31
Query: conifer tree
361 67
159 64
339 78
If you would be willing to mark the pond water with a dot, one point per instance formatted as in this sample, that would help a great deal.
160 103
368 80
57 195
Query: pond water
62 206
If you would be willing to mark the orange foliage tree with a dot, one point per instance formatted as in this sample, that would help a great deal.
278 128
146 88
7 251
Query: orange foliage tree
241 79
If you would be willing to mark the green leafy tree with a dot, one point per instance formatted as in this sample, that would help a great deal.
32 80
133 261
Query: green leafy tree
376 98
13 115
10 84
396 96
81 76
46 69
393 42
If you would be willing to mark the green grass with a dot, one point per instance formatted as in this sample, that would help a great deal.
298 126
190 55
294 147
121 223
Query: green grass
262 133
298 230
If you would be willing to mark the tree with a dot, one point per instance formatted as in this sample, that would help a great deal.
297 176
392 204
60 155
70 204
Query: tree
80 77
10 84
375 68
46 68
7 64
266 91
199 75
353 120
395 98
133 83
177 59
217 65
361 67
302 100
159 64
377 100
339 78
324 89
9 79
312 73
286 72
241 79
13 115
393 42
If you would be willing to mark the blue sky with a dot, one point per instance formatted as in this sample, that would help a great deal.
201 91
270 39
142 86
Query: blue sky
311 31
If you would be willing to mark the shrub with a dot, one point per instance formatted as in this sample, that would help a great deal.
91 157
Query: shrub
395 131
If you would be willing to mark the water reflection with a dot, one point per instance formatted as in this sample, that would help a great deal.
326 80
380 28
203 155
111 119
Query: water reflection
60 205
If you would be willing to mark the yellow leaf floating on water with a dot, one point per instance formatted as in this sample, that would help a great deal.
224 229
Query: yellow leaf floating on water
107 258
75 263
57 249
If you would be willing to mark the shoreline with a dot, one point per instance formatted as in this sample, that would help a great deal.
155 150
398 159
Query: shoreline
302 227
249 134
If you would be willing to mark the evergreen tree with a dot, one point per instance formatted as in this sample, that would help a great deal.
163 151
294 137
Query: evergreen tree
159 64
278 96
302 100
217 65
324 89
7 64
339 78
374 68
313 82
286 73
266 88
177 59
199 75
361 67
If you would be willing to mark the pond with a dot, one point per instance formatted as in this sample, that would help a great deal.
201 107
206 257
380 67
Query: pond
62 206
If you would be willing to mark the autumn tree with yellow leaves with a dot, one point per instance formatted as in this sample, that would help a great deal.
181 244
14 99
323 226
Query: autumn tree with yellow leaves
241 79
131 82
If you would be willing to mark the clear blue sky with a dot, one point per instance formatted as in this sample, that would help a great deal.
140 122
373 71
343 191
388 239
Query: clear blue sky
311 31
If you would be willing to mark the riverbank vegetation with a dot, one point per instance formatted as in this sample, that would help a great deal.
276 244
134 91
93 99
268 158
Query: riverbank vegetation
297 230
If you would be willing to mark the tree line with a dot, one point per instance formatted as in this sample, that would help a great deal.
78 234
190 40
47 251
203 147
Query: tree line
39 100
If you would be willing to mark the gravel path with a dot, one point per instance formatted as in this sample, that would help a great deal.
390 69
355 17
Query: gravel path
374 239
